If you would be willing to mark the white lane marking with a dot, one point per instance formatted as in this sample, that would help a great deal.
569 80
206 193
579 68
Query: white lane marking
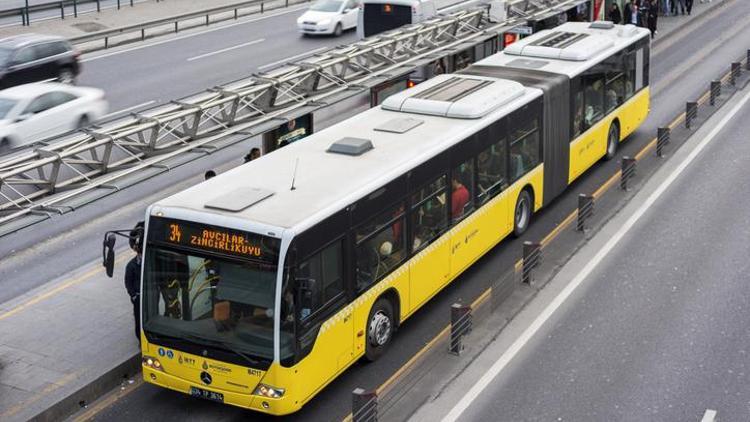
224 50
125 110
709 416
524 338
182 37
305 54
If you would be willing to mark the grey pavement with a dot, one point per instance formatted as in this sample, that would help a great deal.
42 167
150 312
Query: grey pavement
658 330
75 316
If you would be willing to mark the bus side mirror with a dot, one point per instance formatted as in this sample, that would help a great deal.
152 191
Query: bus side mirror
108 253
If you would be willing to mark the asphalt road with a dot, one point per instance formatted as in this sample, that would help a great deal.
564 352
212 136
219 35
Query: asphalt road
681 68
174 67
660 330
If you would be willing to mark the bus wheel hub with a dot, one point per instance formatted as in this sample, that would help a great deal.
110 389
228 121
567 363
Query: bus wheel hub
380 329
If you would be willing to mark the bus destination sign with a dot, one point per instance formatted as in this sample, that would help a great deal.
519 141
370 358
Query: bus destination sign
208 238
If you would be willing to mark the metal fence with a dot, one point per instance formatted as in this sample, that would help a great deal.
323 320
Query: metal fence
454 347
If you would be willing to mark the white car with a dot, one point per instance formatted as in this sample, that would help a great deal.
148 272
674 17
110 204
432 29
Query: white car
329 17
36 111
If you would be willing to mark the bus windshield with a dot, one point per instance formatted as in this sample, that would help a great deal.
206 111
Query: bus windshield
209 299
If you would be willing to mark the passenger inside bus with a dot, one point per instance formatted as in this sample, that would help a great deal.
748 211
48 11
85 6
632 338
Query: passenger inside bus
491 171
459 199
594 102
380 245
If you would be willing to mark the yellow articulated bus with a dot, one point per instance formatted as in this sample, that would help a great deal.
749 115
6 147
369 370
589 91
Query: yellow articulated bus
263 284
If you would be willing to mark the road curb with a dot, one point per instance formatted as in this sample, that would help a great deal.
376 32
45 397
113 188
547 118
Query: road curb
87 394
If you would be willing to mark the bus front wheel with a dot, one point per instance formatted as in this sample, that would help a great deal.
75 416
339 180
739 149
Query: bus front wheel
379 329
522 214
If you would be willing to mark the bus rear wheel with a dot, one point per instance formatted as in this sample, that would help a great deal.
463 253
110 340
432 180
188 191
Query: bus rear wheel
613 139
379 329
522 214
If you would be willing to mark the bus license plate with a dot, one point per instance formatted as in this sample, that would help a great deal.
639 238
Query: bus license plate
207 395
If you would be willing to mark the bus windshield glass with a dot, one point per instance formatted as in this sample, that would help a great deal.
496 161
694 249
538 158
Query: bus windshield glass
211 286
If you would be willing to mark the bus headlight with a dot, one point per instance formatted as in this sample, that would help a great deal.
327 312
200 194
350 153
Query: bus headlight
268 391
152 363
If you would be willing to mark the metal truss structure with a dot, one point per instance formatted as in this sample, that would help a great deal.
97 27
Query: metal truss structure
44 180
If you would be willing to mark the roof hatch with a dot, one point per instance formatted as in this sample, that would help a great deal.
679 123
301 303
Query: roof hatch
238 199
562 45
458 96
351 146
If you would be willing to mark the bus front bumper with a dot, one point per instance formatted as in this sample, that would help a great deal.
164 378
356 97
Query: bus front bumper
246 401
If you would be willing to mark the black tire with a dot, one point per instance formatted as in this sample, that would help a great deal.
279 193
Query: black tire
379 329
67 76
522 213
613 140
83 122
339 30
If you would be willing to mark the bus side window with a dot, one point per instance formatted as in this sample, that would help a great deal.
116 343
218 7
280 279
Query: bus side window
491 170
524 140
380 245
429 213
615 82
593 87
321 274
628 63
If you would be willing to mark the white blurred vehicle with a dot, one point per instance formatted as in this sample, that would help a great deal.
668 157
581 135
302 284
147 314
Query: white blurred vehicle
329 17
36 111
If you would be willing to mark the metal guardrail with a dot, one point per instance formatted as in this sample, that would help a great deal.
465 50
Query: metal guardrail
260 6
48 179
25 11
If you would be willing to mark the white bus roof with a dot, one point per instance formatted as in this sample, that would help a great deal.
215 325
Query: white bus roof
327 182
568 49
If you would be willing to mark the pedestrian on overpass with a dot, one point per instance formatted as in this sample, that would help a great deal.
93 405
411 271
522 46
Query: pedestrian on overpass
252 155
652 18
631 14
689 6
614 14
675 3
133 276
644 10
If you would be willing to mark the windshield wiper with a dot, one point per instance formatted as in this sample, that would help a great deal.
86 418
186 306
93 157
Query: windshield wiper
223 344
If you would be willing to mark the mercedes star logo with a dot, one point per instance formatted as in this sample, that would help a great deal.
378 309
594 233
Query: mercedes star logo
206 378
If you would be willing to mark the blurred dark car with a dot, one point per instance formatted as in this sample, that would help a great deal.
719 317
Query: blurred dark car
33 58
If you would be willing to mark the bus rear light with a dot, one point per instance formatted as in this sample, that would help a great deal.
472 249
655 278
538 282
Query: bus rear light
269 391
